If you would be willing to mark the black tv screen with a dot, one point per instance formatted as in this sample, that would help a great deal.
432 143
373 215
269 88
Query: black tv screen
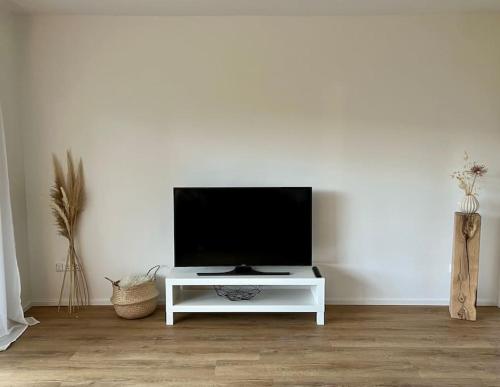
242 226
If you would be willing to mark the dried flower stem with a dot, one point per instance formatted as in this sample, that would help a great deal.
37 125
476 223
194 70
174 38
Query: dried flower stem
468 175
68 199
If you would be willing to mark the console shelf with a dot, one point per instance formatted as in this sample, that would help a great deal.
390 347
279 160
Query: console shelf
299 292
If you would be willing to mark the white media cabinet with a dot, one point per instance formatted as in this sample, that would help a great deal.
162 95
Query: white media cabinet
301 291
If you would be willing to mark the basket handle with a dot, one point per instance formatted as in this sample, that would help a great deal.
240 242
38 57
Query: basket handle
157 267
114 283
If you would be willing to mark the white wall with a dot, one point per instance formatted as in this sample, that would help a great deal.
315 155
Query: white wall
10 59
372 112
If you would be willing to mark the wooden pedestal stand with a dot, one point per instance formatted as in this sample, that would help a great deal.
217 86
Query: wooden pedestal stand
465 266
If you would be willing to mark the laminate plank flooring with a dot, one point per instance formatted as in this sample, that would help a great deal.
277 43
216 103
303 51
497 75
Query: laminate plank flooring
358 346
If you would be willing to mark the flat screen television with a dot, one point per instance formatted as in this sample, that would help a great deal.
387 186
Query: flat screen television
243 227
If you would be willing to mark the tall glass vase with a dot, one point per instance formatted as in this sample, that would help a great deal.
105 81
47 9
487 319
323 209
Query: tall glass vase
74 278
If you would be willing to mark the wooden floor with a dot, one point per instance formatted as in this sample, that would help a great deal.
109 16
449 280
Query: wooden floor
359 346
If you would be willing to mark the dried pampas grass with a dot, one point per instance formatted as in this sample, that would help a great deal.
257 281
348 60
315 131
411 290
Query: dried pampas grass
67 202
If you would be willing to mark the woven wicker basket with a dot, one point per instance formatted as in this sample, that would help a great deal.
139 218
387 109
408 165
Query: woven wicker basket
138 301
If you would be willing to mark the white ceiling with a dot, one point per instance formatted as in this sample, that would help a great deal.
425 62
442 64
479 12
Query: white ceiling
251 7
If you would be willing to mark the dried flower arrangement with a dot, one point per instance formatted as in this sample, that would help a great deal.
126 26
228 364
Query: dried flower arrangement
468 175
67 202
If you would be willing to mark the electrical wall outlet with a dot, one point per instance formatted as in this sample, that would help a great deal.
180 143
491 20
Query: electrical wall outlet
61 267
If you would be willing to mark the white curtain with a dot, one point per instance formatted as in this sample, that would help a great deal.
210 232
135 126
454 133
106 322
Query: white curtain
12 321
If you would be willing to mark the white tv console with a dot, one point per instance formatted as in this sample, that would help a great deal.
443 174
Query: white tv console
301 291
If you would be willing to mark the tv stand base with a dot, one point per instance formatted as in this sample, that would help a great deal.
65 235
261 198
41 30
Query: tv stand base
299 292
243 270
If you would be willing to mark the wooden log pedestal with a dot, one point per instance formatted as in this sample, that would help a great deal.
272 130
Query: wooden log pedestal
465 266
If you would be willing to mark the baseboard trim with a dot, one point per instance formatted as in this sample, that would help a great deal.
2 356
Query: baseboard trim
93 301
401 301
27 305
329 301
388 301
54 302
